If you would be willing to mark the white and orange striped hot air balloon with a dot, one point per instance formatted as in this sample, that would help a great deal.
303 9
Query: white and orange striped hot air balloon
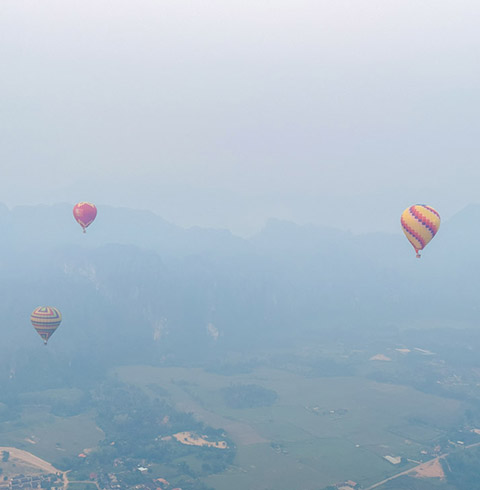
45 320
420 224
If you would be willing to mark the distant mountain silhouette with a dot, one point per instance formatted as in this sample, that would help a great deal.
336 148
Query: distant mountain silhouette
54 226
137 287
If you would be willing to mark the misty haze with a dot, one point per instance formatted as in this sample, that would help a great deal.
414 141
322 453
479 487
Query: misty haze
207 212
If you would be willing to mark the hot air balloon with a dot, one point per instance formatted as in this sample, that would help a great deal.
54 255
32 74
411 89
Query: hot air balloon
420 223
84 213
45 320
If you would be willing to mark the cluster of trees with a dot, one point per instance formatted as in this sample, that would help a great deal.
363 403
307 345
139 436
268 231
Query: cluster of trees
136 426
248 396
138 431
462 469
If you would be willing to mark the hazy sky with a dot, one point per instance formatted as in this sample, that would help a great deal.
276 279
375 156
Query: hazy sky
224 113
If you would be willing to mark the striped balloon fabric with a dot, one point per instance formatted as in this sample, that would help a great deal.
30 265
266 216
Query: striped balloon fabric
45 320
420 223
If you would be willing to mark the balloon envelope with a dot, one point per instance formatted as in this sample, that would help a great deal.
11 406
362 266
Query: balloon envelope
84 213
45 320
420 224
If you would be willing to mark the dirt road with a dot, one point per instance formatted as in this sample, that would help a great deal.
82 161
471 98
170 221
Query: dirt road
417 468
406 472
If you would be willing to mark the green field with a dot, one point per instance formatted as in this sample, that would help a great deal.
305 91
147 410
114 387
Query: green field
324 430
318 432
50 437
82 486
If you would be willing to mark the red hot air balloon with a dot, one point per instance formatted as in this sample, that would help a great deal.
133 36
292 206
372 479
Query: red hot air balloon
84 213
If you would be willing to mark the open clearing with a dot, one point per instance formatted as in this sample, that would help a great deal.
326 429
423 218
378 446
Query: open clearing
287 445
49 437
30 459
23 462
26 462
432 469
190 439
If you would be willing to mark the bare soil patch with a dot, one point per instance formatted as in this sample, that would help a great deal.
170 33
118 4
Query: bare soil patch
432 469
191 439
30 459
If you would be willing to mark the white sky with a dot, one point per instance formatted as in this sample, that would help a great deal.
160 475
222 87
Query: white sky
224 113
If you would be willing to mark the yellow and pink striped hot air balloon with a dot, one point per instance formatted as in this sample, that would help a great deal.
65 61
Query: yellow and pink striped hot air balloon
420 223
45 320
